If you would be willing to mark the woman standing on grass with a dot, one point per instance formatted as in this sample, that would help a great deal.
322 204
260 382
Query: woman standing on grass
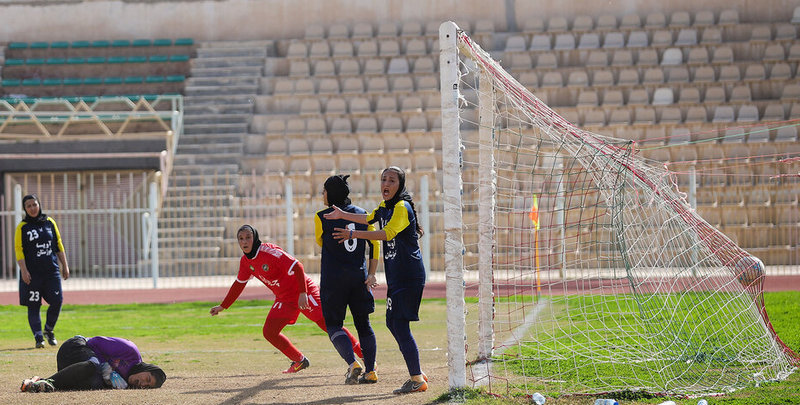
346 279
42 263
294 293
402 261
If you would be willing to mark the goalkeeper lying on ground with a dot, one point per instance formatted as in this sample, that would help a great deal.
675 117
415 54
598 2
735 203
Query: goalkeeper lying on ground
98 363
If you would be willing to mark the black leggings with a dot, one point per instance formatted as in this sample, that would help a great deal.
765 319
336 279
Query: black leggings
75 370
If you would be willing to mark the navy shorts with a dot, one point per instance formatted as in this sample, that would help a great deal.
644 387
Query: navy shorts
47 287
337 293
403 303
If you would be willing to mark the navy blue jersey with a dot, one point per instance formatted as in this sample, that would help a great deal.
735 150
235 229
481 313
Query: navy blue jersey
38 242
402 258
348 256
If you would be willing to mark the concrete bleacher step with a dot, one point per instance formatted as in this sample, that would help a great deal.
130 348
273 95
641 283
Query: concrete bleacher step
236 99
210 137
208 159
228 80
228 62
223 128
204 170
225 71
216 118
178 251
221 90
204 109
207 266
220 147
228 49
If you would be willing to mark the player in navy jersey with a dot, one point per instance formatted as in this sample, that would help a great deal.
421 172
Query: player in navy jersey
294 293
402 262
42 263
345 280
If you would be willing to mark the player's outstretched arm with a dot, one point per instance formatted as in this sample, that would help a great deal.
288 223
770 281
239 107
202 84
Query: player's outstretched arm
338 213
217 309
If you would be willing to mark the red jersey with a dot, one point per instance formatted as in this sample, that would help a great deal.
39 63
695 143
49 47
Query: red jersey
278 270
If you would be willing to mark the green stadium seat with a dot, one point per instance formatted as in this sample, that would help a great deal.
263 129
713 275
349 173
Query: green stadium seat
31 82
162 42
34 61
159 58
15 62
55 61
179 58
154 79
112 80
95 59
117 59
59 45
137 59
184 42
72 99
133 80
100 44
175 78
75 61
71 81
88 99
120 43
18 45
51 82
150 97
141 42
39 45
11 82
80 44
93 80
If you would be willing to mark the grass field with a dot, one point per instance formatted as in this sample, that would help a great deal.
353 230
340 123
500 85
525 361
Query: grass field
225 360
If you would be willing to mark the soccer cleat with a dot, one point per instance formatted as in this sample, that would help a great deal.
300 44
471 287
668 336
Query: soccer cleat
351 376
411 386
36 384
51 337
39 342
368 378
297 366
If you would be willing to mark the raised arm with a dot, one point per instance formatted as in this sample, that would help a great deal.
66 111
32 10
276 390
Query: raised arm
338 213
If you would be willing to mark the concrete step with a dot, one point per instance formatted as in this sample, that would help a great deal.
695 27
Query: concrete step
261 50
230 80
220 147
206 138
215 118
204 109
236 99
208 72
204 170
221 90
222 128
227 62
208 159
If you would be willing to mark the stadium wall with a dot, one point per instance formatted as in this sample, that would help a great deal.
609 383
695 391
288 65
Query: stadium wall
45 20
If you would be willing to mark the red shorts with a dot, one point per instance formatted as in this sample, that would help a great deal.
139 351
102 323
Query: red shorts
287 308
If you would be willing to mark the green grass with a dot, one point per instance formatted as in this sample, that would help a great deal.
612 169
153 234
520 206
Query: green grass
185 339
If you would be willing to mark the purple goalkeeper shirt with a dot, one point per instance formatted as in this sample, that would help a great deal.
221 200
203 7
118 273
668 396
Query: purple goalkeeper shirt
121 354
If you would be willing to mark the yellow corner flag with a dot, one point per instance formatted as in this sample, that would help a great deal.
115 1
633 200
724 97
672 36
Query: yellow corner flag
534 214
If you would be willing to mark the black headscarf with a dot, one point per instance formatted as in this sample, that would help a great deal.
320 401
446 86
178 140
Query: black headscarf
402 193
158 374
29 219
338 190
256 242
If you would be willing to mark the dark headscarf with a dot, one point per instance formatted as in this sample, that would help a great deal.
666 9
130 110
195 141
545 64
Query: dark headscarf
256 242
29 219
402 193
154 370
338 190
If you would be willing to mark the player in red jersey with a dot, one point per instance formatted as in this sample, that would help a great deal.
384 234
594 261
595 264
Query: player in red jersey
294 293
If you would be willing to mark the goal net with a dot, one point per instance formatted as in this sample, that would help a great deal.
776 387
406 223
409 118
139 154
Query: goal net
573 265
